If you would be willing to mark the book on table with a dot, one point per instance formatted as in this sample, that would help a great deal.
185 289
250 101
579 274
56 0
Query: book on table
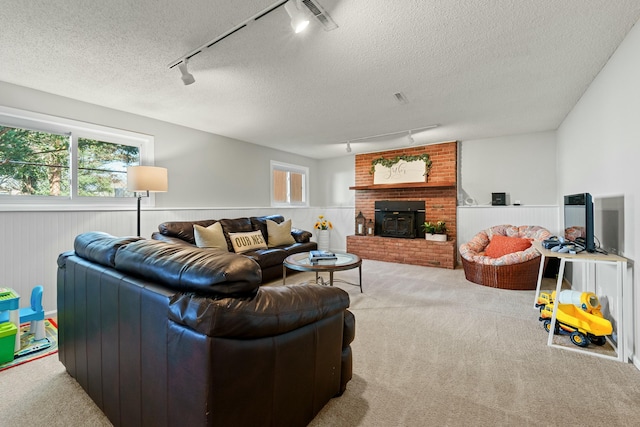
318 255
331 261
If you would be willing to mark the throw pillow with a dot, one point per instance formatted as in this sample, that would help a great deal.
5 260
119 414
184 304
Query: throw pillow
502 245
210 237
243 242
279 234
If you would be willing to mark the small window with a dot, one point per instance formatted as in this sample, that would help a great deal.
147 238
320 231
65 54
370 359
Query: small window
289 185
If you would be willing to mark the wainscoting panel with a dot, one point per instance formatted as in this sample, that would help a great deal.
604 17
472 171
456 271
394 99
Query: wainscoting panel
31 241
472 219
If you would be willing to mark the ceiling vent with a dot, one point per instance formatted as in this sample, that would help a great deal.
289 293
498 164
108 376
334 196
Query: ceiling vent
320 14
401 98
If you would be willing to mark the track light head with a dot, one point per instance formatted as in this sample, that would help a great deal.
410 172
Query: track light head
187 77
299 21
348 146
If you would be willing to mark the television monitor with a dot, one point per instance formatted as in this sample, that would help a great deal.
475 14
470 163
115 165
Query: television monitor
578 220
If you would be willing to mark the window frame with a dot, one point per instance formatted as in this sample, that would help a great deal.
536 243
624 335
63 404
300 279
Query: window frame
288 167
74 129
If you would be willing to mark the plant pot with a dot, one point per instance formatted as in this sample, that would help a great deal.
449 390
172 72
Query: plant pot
436 237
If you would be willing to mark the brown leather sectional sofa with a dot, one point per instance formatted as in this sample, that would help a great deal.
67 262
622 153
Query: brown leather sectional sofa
269 260
164 334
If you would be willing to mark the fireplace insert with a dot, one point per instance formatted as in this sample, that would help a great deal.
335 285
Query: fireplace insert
399 218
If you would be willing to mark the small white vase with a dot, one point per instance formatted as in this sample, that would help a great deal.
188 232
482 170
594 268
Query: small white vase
324 239
436 237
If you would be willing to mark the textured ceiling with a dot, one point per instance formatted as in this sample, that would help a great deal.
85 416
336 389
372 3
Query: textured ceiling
477 68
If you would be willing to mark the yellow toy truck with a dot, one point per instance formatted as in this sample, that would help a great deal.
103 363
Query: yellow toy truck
587 301
578 315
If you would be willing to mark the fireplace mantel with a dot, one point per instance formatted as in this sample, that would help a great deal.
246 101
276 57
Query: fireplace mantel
400 186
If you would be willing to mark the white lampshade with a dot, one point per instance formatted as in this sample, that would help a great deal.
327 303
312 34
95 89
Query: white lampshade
147 178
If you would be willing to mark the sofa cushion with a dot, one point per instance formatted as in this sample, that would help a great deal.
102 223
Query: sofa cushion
210 237
100 247
260 223
279 234
502 245
236 225
243 242
188 268
272 311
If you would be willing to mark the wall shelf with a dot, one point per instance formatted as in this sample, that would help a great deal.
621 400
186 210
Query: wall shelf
404 185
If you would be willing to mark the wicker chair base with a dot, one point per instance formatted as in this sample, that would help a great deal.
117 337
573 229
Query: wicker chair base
522 276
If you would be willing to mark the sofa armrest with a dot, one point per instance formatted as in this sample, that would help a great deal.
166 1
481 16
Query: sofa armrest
182 229
100 247
301 236
272 311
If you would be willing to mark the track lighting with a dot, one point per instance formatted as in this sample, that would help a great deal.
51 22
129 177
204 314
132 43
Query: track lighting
299 13
187 77
409 132
299 20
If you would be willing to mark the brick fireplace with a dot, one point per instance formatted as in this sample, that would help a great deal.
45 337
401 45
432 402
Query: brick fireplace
439 194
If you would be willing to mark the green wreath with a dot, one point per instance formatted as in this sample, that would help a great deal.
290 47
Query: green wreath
390 162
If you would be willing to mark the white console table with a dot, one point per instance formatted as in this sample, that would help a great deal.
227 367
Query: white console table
621 347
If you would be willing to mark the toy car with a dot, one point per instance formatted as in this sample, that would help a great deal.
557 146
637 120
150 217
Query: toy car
581 319
587 301
545 298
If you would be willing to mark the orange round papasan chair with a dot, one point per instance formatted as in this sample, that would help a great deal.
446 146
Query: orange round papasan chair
511 262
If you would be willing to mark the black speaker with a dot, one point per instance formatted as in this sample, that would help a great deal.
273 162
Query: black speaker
498 199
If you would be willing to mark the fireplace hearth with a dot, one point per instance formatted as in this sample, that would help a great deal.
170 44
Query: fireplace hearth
399 218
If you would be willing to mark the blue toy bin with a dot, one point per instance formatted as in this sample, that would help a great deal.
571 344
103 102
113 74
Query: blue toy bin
8 333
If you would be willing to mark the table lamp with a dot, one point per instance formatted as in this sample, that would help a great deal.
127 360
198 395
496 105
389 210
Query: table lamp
145 179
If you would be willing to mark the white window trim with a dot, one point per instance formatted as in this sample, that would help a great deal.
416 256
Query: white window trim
46 123
289 168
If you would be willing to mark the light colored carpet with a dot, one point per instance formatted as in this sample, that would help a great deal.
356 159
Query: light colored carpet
431 349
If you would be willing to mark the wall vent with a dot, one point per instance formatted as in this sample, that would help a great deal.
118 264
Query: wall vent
320 14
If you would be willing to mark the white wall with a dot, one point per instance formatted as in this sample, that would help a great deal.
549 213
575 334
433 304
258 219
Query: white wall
335 177
599 148
210 176
472 219
205 170
523 166
510 164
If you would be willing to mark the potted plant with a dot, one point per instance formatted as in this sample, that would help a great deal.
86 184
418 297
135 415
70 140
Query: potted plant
436 231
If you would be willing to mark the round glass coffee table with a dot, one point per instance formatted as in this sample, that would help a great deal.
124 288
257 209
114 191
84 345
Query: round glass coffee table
301 262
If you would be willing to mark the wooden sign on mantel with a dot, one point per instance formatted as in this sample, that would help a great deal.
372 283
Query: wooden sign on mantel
414 171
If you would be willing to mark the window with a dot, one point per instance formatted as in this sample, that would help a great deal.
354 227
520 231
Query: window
33 163
49 160
102 168
289 185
